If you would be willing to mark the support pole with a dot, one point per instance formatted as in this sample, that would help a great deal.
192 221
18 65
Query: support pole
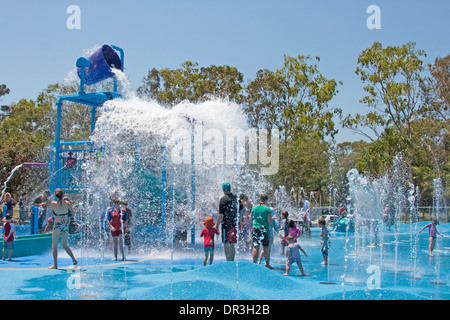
57 145
163 192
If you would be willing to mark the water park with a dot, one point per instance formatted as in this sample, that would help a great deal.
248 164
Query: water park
160 162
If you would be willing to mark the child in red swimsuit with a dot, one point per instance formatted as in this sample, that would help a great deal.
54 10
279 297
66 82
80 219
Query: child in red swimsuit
208 233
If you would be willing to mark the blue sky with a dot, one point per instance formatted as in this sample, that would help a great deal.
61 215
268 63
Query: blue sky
37 48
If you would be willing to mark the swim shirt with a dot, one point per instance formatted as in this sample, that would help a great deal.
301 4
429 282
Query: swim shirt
326 236
228 208
260 213
9 232
209 233
431 230
293 248
295 232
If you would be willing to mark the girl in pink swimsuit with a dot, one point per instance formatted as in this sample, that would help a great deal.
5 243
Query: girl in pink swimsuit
432 231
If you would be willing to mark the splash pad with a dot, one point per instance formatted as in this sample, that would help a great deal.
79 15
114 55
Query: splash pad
156 158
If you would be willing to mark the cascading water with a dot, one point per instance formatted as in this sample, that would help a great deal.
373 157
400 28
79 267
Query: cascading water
149 154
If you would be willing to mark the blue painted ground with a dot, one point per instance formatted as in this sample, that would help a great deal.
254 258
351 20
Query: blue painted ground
153 275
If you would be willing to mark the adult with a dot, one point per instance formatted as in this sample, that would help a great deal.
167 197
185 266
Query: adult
245 223
23 208
10 203
181 225
127 237
262 219
60 209
228 217
43 202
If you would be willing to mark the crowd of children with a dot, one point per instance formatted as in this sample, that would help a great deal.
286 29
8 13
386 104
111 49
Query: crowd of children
290 233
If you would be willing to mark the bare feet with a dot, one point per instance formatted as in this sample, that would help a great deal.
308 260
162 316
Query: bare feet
53 267
268 266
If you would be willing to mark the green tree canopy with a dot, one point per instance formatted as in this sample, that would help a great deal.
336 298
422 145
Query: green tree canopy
172 86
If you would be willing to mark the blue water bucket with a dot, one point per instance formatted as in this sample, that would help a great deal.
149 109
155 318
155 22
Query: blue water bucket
102 62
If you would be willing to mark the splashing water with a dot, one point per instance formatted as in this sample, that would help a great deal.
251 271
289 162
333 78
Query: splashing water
9 178
199 140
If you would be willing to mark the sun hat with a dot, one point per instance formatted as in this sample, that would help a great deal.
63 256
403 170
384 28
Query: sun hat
209 222
226 186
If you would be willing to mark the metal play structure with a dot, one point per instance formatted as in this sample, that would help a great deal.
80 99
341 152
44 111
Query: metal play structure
64 173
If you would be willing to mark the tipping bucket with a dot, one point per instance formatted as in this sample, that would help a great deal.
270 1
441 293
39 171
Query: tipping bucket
102 62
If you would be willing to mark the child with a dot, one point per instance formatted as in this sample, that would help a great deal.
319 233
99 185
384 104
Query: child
293 255
8 237
325 241
294 231
285 228
432 231
208 243
116 219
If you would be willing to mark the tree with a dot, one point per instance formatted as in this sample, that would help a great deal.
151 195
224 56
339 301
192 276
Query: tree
4 108
261 101
436 90
393 78
342 157
169 87
295 100
304 162
29 128
24 135
304 97
4 90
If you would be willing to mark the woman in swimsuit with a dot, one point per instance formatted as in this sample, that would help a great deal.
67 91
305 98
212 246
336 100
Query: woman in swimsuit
60 209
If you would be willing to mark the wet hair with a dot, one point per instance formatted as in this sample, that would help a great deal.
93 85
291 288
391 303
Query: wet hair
322 221
285 214
292 224
59 193
264 197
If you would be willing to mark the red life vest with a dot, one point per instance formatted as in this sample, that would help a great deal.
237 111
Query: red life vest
116 221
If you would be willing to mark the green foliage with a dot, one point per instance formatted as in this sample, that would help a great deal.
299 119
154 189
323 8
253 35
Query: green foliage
392 78
170 87
293 98
25 134
436 90
407 112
